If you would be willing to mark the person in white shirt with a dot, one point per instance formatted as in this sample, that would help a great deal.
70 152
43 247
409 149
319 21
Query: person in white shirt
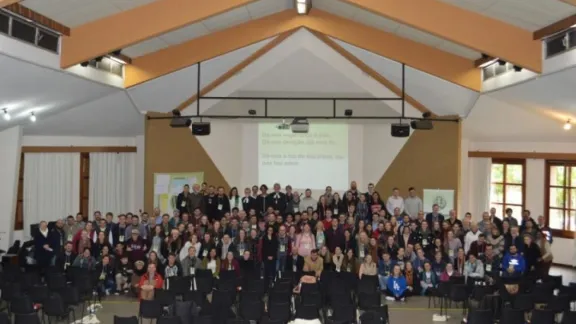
471 237
413 204
395 201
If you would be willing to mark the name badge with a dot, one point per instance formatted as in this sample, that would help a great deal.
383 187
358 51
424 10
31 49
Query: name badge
253 226
241 251
282 248
336 211
121 238
192 271
424 242
102 276
183 204
488 267
307 245
362 253
204 253
451 253
480 254
69 237
219 206
296 209
294 268
66 265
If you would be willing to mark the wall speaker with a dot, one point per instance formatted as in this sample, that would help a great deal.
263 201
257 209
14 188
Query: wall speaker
400 130
200 129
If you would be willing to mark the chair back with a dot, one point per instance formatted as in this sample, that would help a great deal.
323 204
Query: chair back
368 301
125 320
4 319
251 310
512 316
27 319
524 302
479 316
568 318
459 292
54 306
164 297
344 314
169 320
22 305
542 316
279 311
39 294
150 309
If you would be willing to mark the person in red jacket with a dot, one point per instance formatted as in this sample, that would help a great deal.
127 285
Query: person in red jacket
150 280
91 233
230 264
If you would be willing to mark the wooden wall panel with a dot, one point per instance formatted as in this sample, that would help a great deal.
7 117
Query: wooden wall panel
429 160
172 150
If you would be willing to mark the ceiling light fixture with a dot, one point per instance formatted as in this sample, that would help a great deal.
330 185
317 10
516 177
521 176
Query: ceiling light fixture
488 63
6 114
32 117
568 125
117 59
303 6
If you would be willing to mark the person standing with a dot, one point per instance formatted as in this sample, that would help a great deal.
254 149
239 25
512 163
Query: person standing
43 251
184 201
413 204
395 201
277 199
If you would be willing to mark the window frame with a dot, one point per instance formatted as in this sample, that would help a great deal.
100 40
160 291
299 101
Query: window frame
564 233
504 183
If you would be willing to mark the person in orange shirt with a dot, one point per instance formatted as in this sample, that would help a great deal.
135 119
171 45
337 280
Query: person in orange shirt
150 281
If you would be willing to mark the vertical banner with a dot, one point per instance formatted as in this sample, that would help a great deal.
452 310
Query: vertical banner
441 197
167 186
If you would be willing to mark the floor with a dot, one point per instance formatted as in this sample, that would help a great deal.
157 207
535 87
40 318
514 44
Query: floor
414 310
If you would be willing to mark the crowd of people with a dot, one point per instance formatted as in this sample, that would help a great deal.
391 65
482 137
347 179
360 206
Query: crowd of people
265 233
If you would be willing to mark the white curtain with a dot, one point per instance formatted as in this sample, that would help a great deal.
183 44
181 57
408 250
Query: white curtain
51 187
479 182
111 182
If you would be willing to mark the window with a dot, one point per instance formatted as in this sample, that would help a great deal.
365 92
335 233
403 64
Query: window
48 40
4 23
561 197
556 45
23 31
507 186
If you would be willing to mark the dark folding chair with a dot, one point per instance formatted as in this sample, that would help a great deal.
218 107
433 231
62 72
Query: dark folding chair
524 302
251 310
343 314
568 318
164 297
179 285
203 319
195 296
169 320
56 281
480 316
369 301
125 320
368 284
279 311
542 316
459 294
21 305
512 316
150 309
39 294
28 280
307 312
559 304
10 290
204 284
556 280
27 319
4 318
54 307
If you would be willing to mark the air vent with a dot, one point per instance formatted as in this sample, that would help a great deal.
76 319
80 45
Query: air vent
16 27
108 65
496 70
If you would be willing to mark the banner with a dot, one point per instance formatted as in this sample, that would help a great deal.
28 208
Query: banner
441 197
167 186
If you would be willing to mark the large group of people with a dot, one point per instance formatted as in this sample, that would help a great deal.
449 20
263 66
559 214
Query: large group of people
266 233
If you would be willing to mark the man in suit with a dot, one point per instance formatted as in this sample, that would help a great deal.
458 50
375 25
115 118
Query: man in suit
248 202
277 199
434 216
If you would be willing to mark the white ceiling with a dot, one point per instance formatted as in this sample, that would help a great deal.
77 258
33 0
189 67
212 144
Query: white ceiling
354 13
27 88
74 13
527 14
113 115
237 16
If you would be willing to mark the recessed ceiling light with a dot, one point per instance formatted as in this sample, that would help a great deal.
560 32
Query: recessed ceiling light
6 114
568 125
32 117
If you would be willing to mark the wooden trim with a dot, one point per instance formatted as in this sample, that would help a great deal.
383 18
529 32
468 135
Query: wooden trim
19 214
522 155
483 60
4 3
506 162
84 182
237 69
555 28
38 18
78 149
370 71
555 232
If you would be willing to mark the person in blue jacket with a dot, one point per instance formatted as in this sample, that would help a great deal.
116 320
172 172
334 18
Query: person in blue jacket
513 263
396 286
428 279
385 267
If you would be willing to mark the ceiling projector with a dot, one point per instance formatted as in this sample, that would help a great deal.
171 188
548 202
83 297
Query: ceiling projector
300 125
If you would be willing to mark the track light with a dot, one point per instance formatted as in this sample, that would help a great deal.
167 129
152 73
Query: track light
501 62
568 125
85 64
348 112
303 6
32 117
517 68
117 52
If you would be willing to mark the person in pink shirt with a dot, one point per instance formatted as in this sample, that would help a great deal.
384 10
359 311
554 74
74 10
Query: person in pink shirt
305 241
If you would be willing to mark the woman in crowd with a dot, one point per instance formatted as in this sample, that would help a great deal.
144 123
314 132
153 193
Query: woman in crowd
324 253
192 242
206 245
337 259
105 278
269 253
153 258
149 281
460 260
305 241
452 245
231 264
320 236
212 263
396 286
85 260
448 273
84 242
350 263
368 267
497 241
349 241
101 241
158 242
428 279
412 280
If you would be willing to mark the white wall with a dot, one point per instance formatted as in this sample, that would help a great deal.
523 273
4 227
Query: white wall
233 147
9 171
535 182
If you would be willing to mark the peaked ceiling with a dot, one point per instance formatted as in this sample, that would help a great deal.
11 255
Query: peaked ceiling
261 48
